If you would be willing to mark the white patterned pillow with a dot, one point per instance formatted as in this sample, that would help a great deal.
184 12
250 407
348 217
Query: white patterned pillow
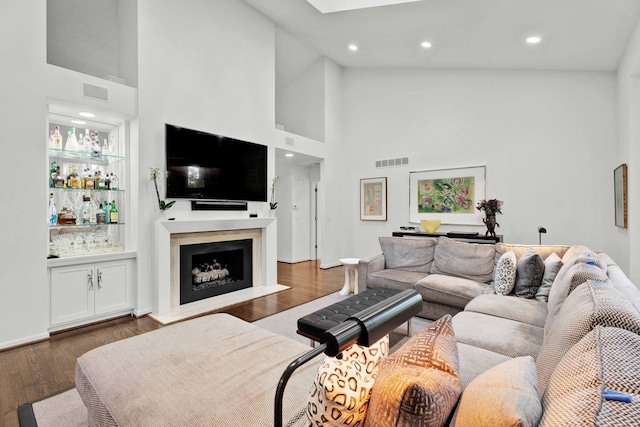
504 277
341 391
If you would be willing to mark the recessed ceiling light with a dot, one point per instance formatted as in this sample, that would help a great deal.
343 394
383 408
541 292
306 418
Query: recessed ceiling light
85 114
289 155
425 45
78 122
534 39
353 47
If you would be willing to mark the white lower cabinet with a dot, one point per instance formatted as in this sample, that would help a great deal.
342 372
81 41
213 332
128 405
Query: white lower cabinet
83 293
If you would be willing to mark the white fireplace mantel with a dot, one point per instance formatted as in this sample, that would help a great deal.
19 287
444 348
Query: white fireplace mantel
165 228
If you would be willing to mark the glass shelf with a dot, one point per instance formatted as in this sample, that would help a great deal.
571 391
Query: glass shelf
95 190
79 227
104 159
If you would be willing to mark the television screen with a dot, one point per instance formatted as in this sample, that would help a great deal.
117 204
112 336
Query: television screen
205 166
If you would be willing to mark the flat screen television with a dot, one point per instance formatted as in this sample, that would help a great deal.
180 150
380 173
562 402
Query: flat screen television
205 166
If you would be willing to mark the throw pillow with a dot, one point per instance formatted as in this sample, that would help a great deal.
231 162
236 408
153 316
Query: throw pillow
504 278
419 384
341 391
409 254
467 260
505 395
552 265
529 273
590 304
605 358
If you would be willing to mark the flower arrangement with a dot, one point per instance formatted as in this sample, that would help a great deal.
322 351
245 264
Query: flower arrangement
154 174
490 207
273 204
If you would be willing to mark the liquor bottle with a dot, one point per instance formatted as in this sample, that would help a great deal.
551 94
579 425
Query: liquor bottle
86 142
115 182
83 218
72 141
107 210
105 146
57 138
58 180
52 174
52 143
107 181
113 214
93 210
73 180
112 145
100 183
53 211
101 215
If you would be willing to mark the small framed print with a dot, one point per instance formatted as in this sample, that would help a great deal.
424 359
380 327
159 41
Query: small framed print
373 199
620 193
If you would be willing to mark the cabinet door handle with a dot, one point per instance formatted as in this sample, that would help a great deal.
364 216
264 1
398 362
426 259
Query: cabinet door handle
90 279
99 279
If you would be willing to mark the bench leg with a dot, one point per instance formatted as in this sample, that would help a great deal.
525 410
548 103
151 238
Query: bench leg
409 332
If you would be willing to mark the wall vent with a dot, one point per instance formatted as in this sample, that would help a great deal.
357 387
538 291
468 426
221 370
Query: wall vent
95 92
289 141
392 163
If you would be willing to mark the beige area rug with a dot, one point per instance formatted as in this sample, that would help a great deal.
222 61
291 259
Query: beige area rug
67 410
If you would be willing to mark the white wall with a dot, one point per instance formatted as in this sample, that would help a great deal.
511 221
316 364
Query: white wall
300 105
206 65
627 241
548 140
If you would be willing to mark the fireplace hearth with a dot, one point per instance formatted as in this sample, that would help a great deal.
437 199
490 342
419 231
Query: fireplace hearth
215 268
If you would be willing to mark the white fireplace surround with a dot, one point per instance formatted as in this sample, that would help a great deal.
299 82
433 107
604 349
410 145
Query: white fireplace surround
265 281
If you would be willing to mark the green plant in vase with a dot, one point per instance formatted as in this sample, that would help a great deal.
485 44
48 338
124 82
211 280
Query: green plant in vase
490 208
273 204
156 173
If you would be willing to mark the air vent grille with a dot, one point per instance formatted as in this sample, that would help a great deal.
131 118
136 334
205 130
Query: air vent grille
392 163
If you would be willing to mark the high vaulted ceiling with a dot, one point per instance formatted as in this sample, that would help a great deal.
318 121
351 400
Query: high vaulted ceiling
586 35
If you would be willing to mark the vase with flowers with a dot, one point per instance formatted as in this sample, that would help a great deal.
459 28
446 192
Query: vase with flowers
154 174
273 205
490 208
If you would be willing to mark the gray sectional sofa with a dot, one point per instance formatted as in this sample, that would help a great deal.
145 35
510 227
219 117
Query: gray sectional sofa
567 356
582 330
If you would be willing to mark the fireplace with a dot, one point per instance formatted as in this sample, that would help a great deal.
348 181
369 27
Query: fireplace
214 268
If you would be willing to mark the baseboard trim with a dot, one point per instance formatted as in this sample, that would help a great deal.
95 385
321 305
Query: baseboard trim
8 345
330 265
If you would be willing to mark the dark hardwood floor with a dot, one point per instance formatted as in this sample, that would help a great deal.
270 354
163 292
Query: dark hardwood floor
35 371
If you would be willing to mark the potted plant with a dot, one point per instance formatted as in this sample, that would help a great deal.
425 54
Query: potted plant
273 205
156 173
490 208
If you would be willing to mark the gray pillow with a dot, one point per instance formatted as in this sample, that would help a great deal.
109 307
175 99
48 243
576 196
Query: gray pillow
552 265
529 274
471 261
409 254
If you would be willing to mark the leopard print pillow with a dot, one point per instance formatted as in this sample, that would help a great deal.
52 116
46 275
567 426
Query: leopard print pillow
505 273
341 391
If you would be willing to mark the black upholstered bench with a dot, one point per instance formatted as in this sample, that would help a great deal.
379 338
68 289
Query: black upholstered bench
314 324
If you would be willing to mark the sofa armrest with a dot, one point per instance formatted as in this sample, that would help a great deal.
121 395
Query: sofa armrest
367 266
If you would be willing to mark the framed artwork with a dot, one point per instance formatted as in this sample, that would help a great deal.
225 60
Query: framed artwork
620 192
373 199
450 195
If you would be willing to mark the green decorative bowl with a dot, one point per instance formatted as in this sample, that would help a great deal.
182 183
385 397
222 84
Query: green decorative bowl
430 225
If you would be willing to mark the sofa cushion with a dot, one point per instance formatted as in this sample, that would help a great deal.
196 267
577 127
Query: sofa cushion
605 358
448 290
543 250
394 279
530 270
475 360
530 311
505 395
407 253
489 332
467 260
576 275
590 304
340 393
552 265
504 276
418 385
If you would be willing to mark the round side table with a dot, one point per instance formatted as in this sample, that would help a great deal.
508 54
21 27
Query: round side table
350 276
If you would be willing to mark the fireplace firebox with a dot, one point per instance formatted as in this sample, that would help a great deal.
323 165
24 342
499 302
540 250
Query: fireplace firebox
215 268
